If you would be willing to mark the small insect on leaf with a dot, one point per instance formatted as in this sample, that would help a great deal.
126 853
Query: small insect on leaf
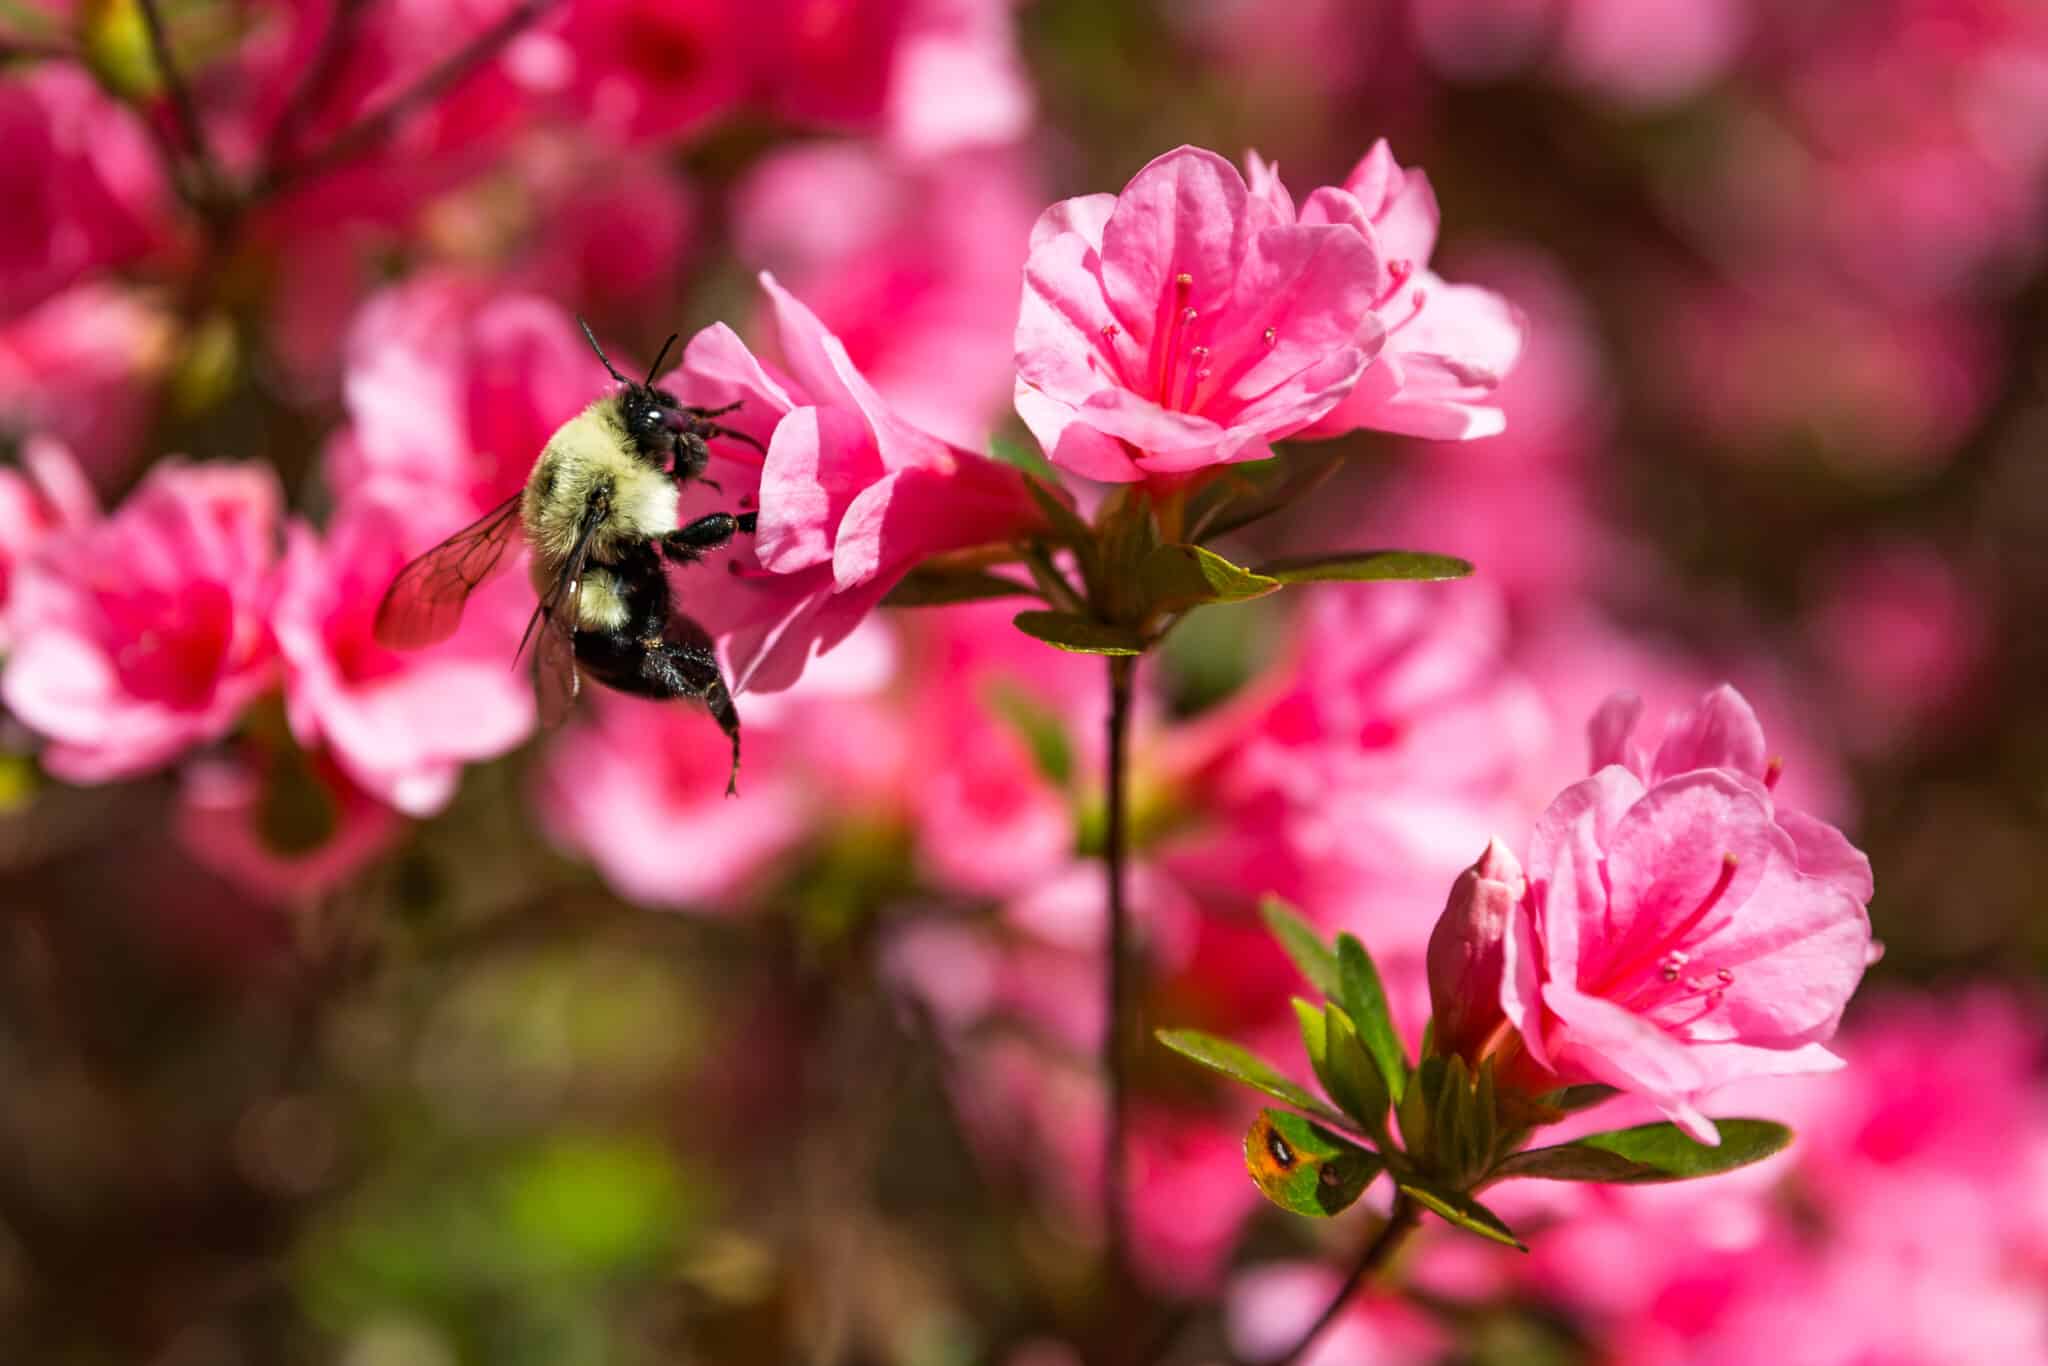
1303 1167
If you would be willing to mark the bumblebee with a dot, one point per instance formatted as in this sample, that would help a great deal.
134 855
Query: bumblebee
599 514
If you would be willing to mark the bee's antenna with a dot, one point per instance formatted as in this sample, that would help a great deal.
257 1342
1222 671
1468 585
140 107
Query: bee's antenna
655 368
600 351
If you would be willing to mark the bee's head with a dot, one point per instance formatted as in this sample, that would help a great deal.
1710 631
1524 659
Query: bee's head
651 416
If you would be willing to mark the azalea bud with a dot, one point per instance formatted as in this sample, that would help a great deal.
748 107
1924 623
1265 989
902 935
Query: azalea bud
1465 953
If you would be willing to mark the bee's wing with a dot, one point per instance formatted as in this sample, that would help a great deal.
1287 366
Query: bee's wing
556 617
424 603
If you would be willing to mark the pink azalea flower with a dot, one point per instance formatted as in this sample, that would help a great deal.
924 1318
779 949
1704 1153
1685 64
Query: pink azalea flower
916 271
851 496
452 390
400 725
1678 934
223 817
1188 322
1445 348
144 634
81 183
82 367
48 496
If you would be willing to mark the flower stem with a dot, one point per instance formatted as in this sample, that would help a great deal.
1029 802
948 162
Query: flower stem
1116 853
1400 1223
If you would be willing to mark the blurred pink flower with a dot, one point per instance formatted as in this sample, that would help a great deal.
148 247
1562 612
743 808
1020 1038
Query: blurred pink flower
227 806
49 495
452 390
144 634
82 366
1189 1198
1901 391
851 496
618 786
1650 53
818 758
650 68
1904 634
915 269
400 725
80 180
1270 1306
611 230
1677 935
958 82
1441 349
1359 777
1187 322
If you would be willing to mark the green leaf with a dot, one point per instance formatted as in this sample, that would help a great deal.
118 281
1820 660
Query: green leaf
1455 1207
1349 1075
1303 1167
1066 523
1241 1064
1042 729
1248 493
1080 635
1176 577
1575 1098
1315 1035
1310 954
939 587
1650 1153
1365 1001
1360 566
1023 455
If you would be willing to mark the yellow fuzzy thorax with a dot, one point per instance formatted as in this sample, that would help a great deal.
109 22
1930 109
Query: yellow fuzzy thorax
591 451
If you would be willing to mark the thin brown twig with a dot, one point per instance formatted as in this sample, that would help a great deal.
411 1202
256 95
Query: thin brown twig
372 129
1115 856
1400 1223
183 108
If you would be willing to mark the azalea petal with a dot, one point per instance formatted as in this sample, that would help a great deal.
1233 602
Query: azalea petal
1061 347
1073 445
818 460
1615 1046
1263 179
1668 867
1186 213
1610 730
1521 984
1602 799
1083 214
1303 293
1794 957
1720 731
721 370
1825 852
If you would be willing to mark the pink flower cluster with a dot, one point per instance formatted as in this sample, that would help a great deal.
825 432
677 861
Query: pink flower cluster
1193 319
1676 930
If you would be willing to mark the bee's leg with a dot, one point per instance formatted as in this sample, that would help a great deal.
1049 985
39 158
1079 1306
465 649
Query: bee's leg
713 429
686 544
689 668
732 407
